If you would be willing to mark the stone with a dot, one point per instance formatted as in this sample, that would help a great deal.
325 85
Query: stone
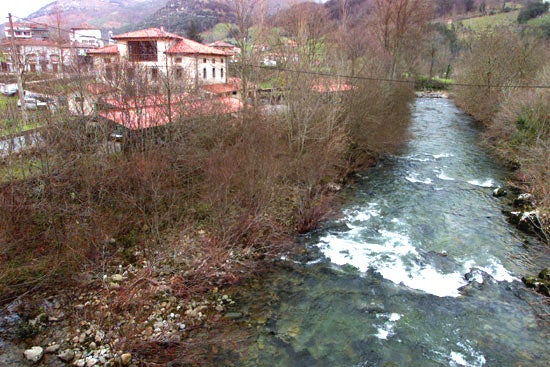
117 278
125 359
80 363
545 274
66 356
499 192
334 187
90 361
525 201
99 336
34 354
52 349
233 315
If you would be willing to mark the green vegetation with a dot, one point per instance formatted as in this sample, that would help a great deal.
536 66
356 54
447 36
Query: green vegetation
479 24
531 11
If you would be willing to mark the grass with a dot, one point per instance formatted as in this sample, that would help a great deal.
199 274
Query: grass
540 21
19 168
9 126
501 19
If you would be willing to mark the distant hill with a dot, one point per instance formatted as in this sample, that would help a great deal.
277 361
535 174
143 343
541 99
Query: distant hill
105 14
177 15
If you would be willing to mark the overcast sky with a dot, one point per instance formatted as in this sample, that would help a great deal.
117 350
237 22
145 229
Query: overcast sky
20 8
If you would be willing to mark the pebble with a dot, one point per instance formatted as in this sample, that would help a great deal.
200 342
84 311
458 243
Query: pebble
126 358
80 363
52 348
90 361
117 278
34 354
67 355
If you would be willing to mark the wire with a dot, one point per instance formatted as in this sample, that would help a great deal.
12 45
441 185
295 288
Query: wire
404 81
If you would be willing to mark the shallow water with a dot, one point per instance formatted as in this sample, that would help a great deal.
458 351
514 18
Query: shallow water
385 284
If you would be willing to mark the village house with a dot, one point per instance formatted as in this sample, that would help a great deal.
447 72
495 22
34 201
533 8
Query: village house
24 30
39 54
156 51
155 54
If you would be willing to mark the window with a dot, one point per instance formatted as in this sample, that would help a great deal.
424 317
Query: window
213 61
108 72
179 72
154 73
204 60
213 72
221 60
178 60
204 73
107 60
142 50
221 73
55 68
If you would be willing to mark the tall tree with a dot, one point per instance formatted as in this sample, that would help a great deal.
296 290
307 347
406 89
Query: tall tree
399 24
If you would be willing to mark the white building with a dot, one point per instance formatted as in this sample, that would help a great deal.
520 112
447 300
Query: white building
158 51
86 35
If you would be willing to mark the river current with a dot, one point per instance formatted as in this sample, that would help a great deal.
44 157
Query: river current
420 269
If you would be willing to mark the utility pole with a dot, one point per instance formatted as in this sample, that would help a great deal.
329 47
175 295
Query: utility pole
18 65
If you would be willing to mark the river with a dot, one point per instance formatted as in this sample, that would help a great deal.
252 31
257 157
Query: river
421 268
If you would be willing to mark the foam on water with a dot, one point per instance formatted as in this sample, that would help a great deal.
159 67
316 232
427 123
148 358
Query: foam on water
413 177
442 176
395 259
487 183
468 357
387 329
443 155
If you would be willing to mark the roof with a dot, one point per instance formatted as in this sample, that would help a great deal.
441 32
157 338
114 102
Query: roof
220 88
29 42
84 26
111 49
154 33
221 44
99 88
189 47
332 85
154 116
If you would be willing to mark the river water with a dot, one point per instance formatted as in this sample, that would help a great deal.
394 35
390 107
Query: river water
421 268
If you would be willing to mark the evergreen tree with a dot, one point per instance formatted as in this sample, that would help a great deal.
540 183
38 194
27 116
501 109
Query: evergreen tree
193 32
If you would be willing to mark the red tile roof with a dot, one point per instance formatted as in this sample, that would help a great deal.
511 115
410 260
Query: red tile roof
222 44
153 116
147 33
111 49
220 88
99 88
29 42
189 47
84 26
327 86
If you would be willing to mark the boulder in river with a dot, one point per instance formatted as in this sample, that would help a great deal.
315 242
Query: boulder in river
499 192
541 284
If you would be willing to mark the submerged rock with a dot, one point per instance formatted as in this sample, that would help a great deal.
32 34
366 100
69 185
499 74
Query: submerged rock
499 192
540 284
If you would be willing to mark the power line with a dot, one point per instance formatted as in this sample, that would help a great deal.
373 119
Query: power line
387 80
